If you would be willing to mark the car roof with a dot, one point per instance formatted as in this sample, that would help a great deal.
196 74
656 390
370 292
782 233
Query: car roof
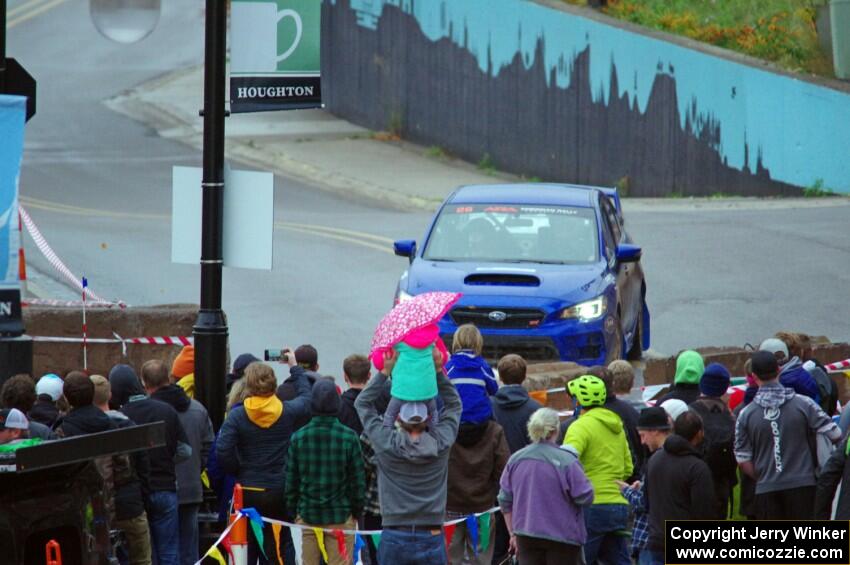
529 193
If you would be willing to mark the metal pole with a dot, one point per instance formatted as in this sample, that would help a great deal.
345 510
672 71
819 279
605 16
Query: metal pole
211 328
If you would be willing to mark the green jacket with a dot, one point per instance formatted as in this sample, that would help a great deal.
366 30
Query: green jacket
414 374
603 451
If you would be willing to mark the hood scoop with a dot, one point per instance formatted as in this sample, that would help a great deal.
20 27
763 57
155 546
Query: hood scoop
501 279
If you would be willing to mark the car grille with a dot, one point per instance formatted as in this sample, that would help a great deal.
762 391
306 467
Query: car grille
531 350
498 318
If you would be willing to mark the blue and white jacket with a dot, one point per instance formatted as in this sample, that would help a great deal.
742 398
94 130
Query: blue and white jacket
473 378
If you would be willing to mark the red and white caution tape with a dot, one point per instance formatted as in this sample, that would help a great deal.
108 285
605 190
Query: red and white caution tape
53 259
838 366
70 303
145 340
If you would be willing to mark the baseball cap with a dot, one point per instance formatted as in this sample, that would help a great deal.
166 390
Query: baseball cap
51 385
774 345
413 412
14 419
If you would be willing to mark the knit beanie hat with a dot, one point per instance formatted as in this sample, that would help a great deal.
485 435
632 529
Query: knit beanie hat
674 407
689 368
184 363
51 385
653 418
325 401
715 380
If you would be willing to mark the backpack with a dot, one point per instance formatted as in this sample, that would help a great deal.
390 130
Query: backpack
719 443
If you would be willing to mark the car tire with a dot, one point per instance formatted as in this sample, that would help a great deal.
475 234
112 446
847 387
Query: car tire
636 351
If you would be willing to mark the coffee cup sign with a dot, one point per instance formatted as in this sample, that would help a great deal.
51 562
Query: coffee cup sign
260 20
275 61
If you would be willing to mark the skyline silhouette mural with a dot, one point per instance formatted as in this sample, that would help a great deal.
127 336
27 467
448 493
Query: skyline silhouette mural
567 98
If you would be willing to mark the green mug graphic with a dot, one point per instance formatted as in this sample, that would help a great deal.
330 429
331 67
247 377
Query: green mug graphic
259 46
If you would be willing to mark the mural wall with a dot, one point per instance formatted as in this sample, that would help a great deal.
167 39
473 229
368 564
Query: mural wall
547 93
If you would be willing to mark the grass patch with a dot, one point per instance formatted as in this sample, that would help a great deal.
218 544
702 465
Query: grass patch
817 190
781 31
436 152
486 164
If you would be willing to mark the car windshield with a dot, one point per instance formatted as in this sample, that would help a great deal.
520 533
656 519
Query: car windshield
514 234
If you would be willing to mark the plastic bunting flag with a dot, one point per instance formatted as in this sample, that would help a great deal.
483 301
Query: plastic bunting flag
228 547
359 544
256 522
276 533
376 540
340 544
320 539
216 554
449 532
472 529
484 528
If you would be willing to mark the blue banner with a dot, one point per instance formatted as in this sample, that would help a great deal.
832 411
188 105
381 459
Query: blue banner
12 117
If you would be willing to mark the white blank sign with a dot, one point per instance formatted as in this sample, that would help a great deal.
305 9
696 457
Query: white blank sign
248 217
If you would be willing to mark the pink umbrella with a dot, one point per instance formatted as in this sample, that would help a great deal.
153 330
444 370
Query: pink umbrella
416 313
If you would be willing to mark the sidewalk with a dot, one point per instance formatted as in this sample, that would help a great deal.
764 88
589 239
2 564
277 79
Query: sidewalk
340 157
311 145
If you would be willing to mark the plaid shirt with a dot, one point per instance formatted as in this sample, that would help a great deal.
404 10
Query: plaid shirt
640 530
324 473
373 504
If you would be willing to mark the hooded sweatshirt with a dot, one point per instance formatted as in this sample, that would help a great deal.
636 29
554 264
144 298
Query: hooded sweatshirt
473 378
678 487
196 422
794 376
412 472
476 462
512 407
689 370
773 432
254 439
598 438
44 411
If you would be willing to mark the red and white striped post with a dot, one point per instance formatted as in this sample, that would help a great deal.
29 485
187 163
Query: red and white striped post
239 532
22 260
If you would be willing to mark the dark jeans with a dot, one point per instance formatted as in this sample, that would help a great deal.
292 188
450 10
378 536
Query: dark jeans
791 504
269 503
538 551
369 555
607 526
164 526
399 547
188 516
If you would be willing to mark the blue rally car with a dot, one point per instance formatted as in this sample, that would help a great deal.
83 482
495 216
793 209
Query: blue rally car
546 271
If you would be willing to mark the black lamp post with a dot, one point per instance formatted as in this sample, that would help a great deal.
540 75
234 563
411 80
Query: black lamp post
210 329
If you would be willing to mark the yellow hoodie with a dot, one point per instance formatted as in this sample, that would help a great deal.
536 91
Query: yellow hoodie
263 410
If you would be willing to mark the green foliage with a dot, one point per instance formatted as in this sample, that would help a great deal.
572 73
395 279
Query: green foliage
817 190
782 31
396 123
436 152
486 164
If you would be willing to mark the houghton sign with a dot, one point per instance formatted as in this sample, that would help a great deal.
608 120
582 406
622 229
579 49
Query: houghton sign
274 52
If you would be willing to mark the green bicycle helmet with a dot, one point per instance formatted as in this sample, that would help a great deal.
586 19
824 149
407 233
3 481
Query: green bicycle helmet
589 390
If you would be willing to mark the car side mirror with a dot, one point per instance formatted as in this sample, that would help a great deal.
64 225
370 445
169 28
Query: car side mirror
628 253
405 248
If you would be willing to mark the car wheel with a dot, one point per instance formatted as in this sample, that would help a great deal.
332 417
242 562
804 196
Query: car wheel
636 351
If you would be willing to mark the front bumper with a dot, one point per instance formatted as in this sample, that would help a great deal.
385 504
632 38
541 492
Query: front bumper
586 343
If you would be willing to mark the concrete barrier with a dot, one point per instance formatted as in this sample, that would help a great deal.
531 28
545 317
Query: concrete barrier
163 320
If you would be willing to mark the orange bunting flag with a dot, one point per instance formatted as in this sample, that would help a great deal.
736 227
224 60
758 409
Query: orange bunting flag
276 532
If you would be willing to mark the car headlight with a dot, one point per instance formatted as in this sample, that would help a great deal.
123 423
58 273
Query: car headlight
590 310
402 297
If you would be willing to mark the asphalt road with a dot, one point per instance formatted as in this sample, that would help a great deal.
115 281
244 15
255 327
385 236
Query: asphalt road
715 276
